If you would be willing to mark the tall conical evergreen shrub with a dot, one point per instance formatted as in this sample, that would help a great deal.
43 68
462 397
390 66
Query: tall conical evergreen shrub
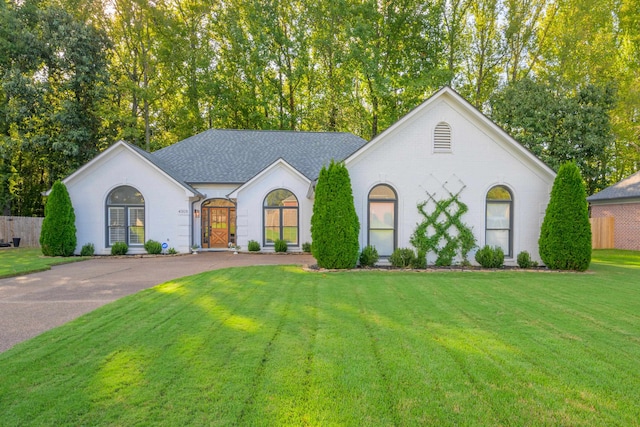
58 235
334 224
565 236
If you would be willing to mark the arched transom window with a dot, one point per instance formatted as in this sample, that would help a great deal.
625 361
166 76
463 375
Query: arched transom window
125 216
499 221
383 207
280 217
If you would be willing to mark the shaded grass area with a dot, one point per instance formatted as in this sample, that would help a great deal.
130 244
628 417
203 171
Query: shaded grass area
279 346
14 262
616 257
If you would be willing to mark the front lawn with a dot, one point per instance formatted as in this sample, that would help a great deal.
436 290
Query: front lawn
18 261
279 346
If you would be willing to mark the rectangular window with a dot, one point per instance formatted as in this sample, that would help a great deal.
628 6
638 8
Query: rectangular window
381 215
116 225
498 215
136 226
382 227
271 225
382 240
499 238
290 226
498 230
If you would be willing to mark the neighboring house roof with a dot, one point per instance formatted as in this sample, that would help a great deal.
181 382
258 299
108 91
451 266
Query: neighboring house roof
236 156
628 188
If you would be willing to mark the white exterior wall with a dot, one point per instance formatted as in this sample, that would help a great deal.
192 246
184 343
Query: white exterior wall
251 199
167 204
481 158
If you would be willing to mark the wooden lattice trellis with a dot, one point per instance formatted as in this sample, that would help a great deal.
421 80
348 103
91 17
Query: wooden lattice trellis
442 231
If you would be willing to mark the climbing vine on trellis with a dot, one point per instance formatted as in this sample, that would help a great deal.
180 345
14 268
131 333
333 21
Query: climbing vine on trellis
442 231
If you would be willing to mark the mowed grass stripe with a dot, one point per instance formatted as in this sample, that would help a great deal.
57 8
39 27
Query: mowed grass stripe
420 370
278 346
345 387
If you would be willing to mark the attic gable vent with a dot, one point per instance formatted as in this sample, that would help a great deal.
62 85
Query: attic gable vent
442 138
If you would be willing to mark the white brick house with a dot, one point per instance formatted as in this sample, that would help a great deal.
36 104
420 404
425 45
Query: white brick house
230 186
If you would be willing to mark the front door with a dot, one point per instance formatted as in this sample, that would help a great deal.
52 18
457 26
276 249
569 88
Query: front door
218 224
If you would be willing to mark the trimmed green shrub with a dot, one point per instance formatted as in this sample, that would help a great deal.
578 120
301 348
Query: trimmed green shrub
420 260
88 250
565 236
369 256
280 245
402 257
253 246
172 251
524 260
119 248
467 242
58 233
446 254
152 247
306 247
334 224
489 257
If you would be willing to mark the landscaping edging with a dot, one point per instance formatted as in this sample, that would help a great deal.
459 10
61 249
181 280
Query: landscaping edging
314 268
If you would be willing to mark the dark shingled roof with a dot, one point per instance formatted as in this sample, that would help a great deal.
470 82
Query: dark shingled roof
236 156
626 189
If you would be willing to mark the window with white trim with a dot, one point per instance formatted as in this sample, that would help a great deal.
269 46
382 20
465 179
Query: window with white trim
125 216
442 138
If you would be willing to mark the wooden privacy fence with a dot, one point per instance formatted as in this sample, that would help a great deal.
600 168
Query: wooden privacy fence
602 230
26 228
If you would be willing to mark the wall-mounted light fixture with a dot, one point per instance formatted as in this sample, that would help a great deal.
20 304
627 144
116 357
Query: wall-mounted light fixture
196 213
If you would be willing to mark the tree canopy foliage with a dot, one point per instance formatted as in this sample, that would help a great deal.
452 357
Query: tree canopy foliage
560 127
76 76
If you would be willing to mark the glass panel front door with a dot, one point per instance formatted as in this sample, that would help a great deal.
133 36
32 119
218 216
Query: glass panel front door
218 227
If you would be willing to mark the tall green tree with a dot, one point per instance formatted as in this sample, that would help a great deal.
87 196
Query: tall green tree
565 236
334 223
526 35
558 125
485 51
398 54
53 81
58 234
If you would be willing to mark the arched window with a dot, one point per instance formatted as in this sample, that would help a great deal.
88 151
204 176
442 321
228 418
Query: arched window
280 217
442 138
383 207
499 221
125 216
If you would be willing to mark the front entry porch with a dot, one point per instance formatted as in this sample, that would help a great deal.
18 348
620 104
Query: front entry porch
218 224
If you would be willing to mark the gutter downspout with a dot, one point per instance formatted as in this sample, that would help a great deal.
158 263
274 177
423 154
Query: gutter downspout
192 223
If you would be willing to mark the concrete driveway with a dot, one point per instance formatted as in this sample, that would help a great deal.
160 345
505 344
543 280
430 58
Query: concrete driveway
34 303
